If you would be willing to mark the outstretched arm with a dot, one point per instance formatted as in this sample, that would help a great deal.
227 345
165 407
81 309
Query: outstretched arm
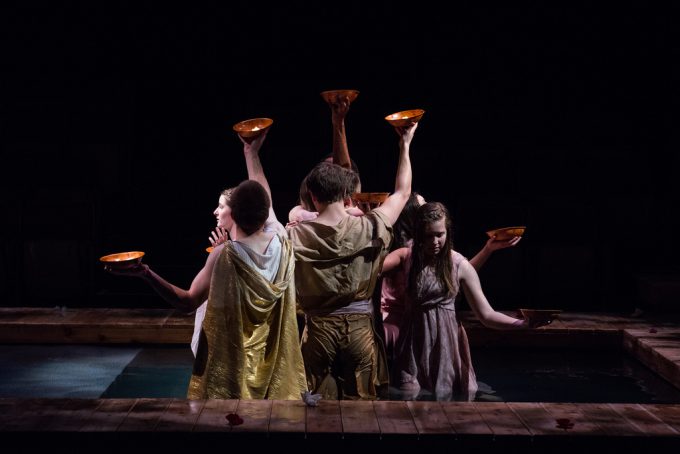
339 110
490 246
184 300
402 185
479 304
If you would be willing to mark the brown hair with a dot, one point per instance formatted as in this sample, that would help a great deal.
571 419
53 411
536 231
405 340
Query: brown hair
330 182
443 263
249 203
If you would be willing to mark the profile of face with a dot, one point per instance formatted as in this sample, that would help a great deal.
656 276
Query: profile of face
434 237
223 214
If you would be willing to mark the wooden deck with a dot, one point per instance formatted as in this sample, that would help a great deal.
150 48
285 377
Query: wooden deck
178 424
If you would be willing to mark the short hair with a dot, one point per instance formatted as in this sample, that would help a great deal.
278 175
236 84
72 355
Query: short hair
330 182
249 203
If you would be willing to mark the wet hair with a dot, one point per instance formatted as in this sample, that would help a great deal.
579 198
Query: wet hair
443 263
249 203
330 182
405 225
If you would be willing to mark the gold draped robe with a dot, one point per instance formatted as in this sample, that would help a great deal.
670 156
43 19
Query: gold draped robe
249 346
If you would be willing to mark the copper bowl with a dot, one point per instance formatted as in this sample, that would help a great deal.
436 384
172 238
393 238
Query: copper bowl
507 233
252 128
331 96
405 117
122 259
540 314
378 197
361 197
209 249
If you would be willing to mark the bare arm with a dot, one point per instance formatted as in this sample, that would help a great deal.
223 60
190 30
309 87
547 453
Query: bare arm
479 304
490 246
402 186
184 300
394 260
251 151
339 110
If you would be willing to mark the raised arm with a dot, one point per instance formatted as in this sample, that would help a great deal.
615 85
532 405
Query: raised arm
339 110
251 151
491 245
479 304
184 300
402 185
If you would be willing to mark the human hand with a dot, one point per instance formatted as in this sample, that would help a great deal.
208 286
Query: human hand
534 321
218 236
492 244
339 107
253 144
136 270
406 133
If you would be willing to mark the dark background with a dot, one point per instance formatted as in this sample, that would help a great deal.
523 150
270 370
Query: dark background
116 133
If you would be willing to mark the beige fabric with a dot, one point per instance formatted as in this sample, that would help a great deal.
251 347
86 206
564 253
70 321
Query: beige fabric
336 265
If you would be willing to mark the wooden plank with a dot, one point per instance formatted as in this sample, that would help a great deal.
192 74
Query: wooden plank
429 418
109 415
501 419
32 415
465 419
144 415
71 415
572 412
668 413
643 420
358 417
324 419
287 417
213 418
536 418
180 416
255 415
611 422
394 418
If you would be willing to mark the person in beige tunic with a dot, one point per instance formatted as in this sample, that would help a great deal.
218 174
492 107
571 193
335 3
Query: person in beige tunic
338 257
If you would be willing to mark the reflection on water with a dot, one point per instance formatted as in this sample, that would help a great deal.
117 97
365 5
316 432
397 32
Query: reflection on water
558 375
511 375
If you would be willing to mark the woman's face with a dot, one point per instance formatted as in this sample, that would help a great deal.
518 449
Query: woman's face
434 237
223 214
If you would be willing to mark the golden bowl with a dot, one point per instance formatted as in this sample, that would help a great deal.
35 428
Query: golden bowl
331 96
252 128
405 117
122 259
209 249
540 314
378 197
507 233
361 197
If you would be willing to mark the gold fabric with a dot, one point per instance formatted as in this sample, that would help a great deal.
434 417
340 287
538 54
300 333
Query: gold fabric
336 265
249 346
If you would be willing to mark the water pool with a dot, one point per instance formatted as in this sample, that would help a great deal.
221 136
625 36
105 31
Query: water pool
510 375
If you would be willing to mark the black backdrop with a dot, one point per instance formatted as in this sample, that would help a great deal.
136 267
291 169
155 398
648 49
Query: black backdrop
116 128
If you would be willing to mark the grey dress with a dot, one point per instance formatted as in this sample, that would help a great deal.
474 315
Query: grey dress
433 353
